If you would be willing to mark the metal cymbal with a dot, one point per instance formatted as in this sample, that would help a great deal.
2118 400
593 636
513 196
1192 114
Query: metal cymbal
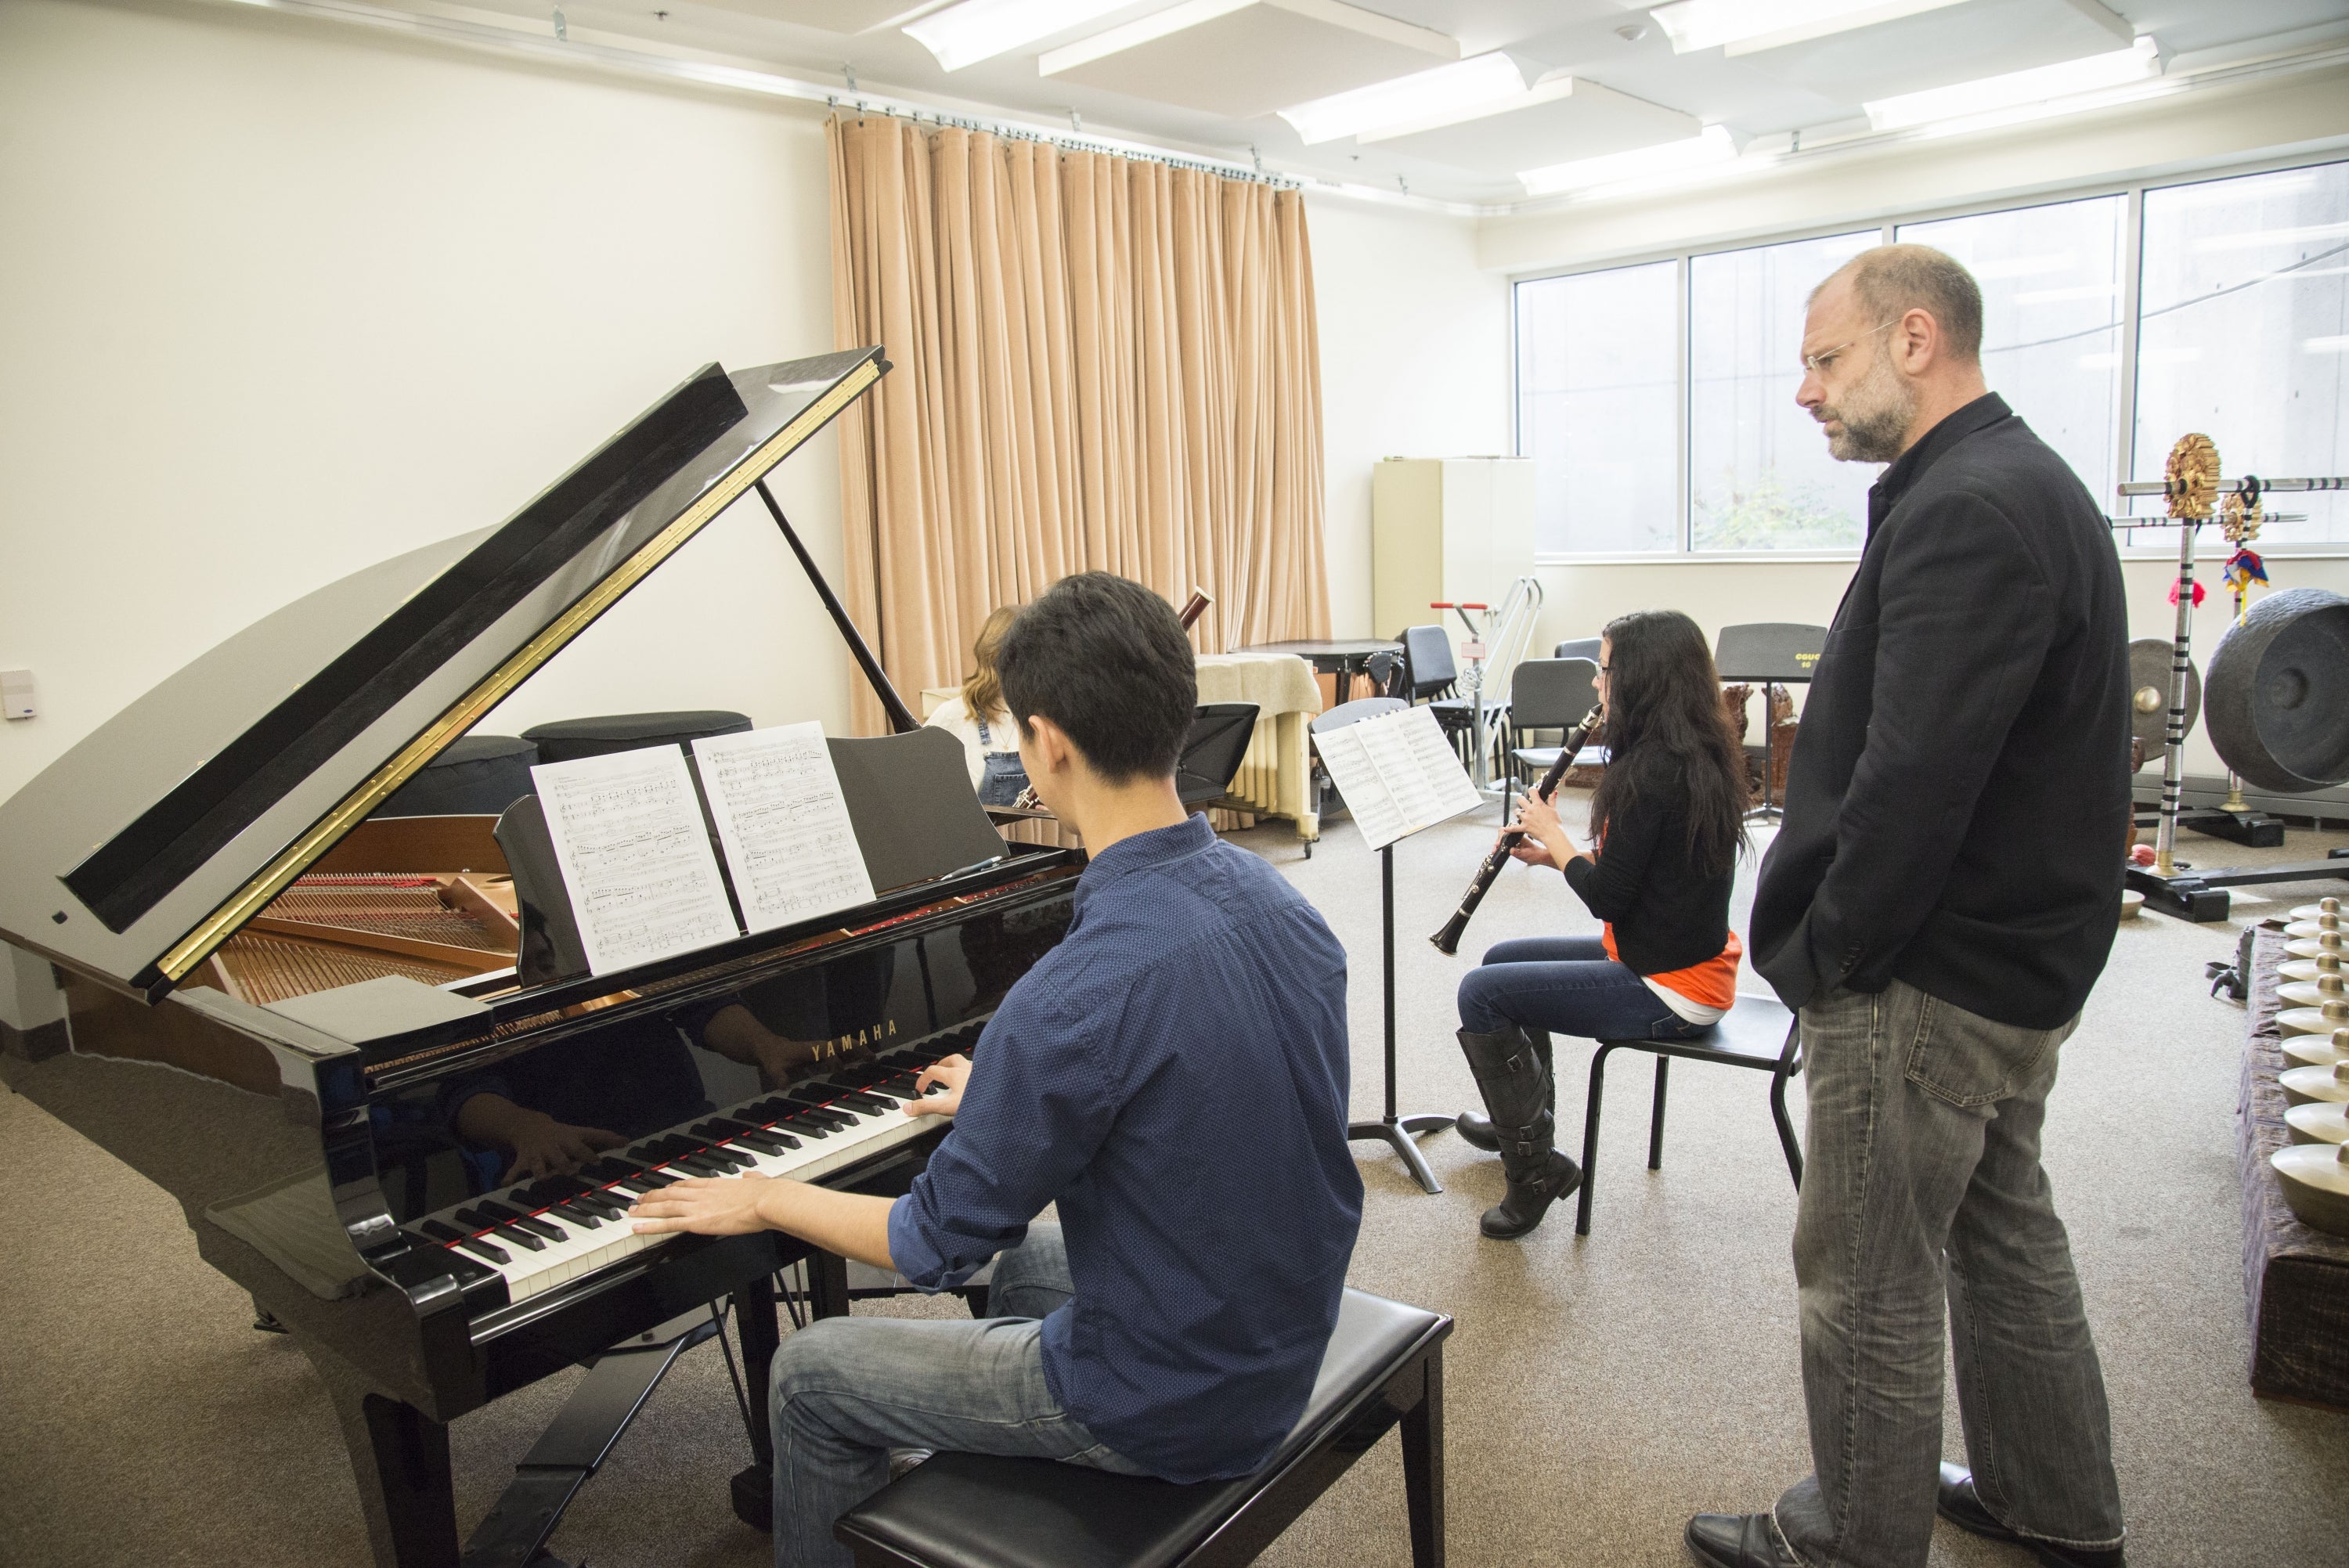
2317 946
2317 927
2318 1050
2316 968
2317 1122
2321 906
2321 1020
2149 660
2315 1184
2313 993
2303 1085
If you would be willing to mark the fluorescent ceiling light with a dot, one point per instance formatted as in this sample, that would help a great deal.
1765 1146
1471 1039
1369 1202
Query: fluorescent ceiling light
2063 79
1748 26
1713 145
2325 345
979 30
2026 267
1463 90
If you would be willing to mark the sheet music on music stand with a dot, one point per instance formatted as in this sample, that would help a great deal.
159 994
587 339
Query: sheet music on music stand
1398 774
628 833
783 823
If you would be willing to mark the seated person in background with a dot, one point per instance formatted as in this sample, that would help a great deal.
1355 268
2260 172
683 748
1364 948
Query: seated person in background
978 720
1668 821
1173 1075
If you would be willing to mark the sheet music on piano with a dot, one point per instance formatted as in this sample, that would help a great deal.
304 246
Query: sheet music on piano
1398 774
628 832
783 823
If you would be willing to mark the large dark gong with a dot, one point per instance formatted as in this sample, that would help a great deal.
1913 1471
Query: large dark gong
2277 699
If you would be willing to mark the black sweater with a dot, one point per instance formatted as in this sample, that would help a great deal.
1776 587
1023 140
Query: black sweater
1961 779
1666 916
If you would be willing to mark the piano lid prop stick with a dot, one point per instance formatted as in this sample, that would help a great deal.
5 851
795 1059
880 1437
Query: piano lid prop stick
1193 607
901 717
1448 939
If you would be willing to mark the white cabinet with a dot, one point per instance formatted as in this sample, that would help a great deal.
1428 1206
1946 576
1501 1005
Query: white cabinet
1454 529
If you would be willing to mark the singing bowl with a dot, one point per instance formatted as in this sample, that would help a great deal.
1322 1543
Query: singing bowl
2318 1050
2313 993
2321 907
2318 1123
2321 1020
2311 969
2308 1086
2315 1184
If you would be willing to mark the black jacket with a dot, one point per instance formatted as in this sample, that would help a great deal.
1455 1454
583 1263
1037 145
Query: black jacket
1666 916
1957 795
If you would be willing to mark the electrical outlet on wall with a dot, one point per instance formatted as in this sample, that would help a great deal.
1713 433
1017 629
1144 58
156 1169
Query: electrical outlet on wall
16 694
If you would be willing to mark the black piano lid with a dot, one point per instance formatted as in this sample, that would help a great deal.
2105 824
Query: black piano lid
156 837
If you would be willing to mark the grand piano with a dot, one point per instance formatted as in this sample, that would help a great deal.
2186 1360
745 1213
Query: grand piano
280 1005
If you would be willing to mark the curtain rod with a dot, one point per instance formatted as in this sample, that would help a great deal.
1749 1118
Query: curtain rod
1078 142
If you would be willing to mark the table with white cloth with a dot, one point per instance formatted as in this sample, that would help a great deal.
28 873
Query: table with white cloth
1276 777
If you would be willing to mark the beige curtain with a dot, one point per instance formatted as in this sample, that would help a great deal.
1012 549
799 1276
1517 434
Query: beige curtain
1100 363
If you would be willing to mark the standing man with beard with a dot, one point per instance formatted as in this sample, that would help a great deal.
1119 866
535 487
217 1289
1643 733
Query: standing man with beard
1940 897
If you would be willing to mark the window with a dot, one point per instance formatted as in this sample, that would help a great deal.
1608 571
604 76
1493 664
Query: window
2243 333
1597 407
1658 399
1759 474
2051 283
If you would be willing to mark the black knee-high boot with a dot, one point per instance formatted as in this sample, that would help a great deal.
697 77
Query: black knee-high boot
1476 1131
1514 1076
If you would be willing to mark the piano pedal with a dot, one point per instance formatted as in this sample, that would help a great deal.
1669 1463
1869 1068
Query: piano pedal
266 1321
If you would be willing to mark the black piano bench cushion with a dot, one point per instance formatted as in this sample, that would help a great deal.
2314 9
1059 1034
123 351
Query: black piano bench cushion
985 1510
475 776
569 740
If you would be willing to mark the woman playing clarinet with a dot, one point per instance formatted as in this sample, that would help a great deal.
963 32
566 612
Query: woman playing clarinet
1667 824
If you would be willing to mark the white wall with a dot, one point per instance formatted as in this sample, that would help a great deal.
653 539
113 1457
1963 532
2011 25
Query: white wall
1414 364
284 299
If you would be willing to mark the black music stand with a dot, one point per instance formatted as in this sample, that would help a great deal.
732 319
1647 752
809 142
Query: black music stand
1776 653
1213 751
1395 1130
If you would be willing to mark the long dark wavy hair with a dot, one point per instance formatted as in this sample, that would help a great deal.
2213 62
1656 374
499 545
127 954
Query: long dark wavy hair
1668 735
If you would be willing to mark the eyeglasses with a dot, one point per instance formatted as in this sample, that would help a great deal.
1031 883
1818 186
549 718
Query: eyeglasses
1816 364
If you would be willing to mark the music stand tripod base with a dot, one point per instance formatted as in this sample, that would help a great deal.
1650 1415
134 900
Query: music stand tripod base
1397 1133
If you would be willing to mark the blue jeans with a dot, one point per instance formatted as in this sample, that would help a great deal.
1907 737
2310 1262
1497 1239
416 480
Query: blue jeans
1566 985
846 1390
1921 1183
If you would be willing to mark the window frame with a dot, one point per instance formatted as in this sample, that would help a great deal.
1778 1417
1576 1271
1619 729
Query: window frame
2158 545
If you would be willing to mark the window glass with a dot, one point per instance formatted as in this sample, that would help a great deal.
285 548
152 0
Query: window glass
1598 394
2243 333
1759 474
2051 285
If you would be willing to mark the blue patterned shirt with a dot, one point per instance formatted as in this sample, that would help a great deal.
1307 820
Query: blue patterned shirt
1174 1075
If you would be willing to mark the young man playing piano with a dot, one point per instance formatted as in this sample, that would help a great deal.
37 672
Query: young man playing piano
1173 1075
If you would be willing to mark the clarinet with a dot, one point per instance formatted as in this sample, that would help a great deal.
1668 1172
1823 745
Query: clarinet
1448 939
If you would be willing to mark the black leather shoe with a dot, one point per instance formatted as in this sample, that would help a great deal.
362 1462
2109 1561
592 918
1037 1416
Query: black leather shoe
1738 1541
1476 1131
1956 1501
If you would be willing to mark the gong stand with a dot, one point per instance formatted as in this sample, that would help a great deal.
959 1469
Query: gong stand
2168 884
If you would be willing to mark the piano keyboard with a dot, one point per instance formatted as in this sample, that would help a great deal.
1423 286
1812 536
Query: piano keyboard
547 1233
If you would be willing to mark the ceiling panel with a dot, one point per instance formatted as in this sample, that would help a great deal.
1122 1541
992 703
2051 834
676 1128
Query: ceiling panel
1249 57
828 16
1563 119
1954 44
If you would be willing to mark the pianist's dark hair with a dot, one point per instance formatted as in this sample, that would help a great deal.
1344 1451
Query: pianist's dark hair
1106 660
1668 735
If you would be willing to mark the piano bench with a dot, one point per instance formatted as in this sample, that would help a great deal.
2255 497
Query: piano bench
1384 1367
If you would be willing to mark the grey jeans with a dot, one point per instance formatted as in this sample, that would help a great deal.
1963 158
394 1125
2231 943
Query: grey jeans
846 1390
1922 1180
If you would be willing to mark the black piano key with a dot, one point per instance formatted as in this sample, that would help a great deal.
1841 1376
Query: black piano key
767 1141
700 1165
655 1179
522 1221
803 1126
483 1248
867 1102
610 1168
514 1238
597 1200
441 1229
573 1214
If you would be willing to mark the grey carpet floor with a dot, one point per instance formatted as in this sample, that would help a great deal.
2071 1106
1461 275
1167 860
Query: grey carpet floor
1599 1390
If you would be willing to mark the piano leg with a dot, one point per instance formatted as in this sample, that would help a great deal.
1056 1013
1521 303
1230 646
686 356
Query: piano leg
400 1456
753 1488
827 1285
